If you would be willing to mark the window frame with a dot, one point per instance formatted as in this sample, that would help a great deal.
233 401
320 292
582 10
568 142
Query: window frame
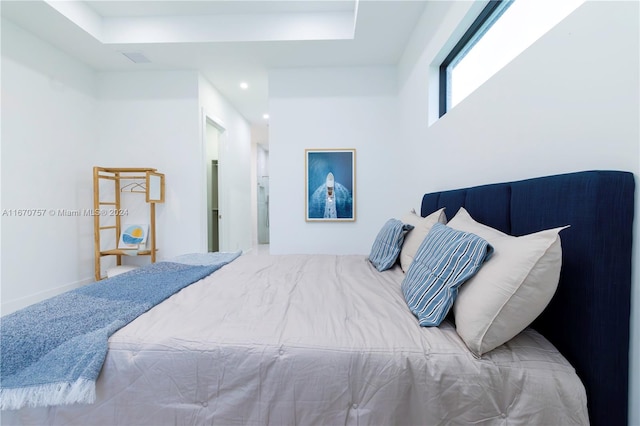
487 17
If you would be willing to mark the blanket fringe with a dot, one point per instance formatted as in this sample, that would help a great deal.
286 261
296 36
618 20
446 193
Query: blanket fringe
81 391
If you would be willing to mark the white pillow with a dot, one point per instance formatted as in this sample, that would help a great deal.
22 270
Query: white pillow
413 239
511 289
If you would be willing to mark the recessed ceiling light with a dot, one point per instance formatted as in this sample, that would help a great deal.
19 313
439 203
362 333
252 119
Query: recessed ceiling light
265 116
244 85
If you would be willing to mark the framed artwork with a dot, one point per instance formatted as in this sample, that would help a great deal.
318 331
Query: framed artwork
330 185
134 236
155 187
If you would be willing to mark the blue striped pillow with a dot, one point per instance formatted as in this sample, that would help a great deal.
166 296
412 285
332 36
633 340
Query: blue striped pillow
388 244
446 258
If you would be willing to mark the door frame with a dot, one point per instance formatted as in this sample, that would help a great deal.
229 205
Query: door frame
206 119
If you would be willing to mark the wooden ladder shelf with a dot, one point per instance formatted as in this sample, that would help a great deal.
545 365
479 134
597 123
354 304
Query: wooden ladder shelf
124 180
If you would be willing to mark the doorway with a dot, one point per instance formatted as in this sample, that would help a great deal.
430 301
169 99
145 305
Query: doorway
263 194
263 210
214 211
214 215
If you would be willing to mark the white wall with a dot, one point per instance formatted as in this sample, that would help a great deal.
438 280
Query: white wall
568 103
60 118
237 196
151 119
262 161
332 108
48 134
158 119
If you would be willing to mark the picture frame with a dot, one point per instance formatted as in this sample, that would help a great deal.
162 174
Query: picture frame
134 236
330 185
155 187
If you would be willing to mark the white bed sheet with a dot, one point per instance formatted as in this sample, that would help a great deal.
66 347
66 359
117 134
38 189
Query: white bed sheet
322 340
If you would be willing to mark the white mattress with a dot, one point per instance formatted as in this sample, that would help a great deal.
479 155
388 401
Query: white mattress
314 340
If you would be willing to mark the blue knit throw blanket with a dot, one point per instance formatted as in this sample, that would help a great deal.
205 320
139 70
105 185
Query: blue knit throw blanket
52 352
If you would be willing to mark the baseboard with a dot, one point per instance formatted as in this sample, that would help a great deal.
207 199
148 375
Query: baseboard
16 304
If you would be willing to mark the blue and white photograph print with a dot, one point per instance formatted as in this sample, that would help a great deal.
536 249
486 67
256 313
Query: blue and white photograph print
330 184
134 236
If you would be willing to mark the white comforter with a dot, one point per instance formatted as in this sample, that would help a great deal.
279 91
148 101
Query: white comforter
322 340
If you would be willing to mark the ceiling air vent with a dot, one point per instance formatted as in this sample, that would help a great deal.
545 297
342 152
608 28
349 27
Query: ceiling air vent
137 57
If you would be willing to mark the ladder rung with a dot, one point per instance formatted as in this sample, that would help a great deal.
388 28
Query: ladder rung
107 203
108 227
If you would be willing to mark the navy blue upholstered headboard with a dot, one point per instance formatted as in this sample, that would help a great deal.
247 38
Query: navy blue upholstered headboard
588 318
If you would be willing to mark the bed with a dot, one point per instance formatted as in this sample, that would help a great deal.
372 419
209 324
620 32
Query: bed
323 339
